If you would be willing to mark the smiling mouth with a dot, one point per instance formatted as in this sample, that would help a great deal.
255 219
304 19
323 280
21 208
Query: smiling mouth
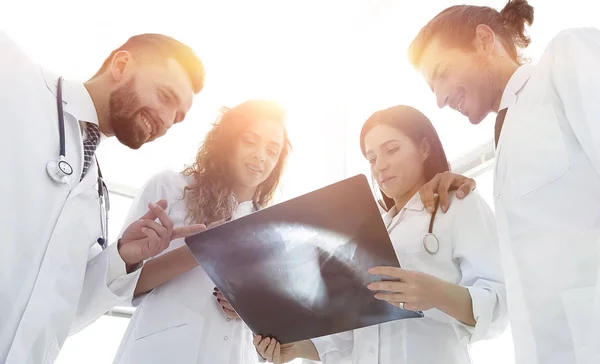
461 105
254 168
150 123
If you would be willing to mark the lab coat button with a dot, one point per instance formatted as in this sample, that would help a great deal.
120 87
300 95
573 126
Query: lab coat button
225 338
228 319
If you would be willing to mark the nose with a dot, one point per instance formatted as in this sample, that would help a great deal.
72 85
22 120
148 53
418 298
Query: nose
442 99
169 117
381 164
260 154
172 117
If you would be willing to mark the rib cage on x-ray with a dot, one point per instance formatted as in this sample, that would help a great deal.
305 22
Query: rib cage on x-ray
301 277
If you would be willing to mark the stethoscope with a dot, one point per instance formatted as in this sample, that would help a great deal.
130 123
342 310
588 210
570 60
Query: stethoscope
430 241
61 171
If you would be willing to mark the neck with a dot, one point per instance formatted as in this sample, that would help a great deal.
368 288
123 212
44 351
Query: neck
97 88
505 73
403 200
243 194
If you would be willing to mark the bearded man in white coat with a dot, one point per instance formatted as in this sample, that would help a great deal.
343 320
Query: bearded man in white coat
55 278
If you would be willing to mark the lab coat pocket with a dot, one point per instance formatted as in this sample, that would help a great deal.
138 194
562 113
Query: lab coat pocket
166 332
578 304
536 138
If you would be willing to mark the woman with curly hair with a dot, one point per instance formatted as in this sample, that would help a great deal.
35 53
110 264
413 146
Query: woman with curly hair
181 317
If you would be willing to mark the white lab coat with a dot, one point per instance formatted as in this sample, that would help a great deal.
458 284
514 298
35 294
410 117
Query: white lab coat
547 196
181 321
53 272
468 256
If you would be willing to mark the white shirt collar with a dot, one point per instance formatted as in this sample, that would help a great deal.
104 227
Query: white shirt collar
79 102
414 204
76 99
515 84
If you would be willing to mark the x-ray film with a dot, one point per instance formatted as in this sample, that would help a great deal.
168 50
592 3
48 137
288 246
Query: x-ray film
298 270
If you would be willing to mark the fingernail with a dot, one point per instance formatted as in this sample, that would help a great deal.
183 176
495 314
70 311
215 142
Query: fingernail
153 205
218 300
460 194
430 209
215 289
370 286
215 294
444 208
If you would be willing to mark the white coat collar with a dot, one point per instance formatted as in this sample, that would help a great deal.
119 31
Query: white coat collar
515 84
76 99
413 204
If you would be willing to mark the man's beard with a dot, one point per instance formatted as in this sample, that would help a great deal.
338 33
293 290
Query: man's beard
489 88
124 110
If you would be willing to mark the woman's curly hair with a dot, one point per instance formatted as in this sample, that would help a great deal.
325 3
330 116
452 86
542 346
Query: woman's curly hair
209 197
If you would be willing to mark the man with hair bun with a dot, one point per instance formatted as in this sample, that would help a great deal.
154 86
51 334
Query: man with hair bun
547 168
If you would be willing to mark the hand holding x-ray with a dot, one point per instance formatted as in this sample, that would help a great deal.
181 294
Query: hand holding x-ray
225 306
272 351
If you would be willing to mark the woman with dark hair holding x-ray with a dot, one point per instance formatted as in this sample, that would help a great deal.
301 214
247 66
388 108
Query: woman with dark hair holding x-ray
450 263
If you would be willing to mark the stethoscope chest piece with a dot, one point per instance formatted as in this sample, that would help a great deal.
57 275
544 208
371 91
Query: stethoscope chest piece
431 243
59 170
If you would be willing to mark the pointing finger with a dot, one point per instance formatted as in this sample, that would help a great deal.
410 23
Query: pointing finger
216 223
187 230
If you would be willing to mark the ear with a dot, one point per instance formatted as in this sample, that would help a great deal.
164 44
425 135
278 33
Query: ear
120 63
485 39
425 149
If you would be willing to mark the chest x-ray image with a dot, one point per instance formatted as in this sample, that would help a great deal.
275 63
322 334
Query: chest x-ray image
299 270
